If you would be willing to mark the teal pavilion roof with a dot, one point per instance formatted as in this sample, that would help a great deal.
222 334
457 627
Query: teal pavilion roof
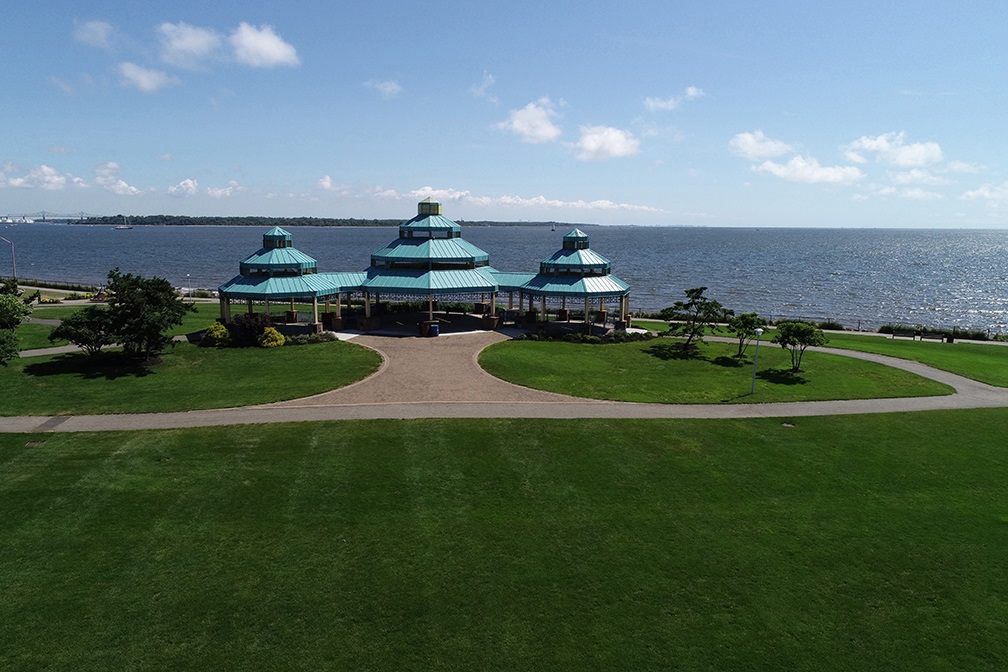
429 258
277 257
576 270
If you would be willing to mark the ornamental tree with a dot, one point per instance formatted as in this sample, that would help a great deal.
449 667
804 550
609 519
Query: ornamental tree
9 346
691 318
90 329
744 327
13 311
141 311
796 337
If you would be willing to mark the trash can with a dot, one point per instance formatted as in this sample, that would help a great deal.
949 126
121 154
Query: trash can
434 329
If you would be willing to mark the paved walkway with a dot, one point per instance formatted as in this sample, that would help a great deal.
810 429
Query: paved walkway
439 378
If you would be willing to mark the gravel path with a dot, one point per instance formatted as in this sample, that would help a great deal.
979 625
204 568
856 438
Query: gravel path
439 378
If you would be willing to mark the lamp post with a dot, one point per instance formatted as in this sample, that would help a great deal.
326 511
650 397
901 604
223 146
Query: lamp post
12 260
759 332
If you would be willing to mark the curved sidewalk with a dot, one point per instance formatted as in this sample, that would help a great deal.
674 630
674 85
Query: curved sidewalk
440 378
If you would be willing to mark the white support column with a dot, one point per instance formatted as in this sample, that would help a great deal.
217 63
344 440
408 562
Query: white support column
267 307
249 302
430 307
337 306
314 309
493 303
511 300
367 304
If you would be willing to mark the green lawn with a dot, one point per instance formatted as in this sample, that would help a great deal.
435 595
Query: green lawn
205 314
986 362
844 543
649 371
33 336
188 378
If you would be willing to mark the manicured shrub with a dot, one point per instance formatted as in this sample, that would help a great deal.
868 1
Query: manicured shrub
271 338
9 346
831 325
216 335
247 328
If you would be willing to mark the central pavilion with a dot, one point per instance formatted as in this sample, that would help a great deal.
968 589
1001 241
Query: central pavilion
429 261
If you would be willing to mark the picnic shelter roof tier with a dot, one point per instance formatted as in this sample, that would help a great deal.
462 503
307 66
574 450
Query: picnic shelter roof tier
576 271
277 257
429 258
575 258
279 271
314 285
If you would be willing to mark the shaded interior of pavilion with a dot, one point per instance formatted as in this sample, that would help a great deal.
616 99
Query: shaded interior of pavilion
428 280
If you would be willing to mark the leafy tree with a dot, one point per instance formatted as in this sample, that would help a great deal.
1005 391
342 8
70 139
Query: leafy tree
13 311
744 327
690 318
141 311
9 286
795 337
90 329
9 347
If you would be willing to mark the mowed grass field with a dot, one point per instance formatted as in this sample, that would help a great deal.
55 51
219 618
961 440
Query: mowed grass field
654 371
187 378
846 543
986 362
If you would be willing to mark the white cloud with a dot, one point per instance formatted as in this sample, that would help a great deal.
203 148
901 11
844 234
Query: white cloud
756 146
459 196
919 176
891 148
187 187
41 177
533 122
187 46
261 47
963 167
907 193
388 89
600 143
808 171
673 103
94 34
483 89
918 194
107 175
165 157
144 79
988 192
65 87
221 192
326 184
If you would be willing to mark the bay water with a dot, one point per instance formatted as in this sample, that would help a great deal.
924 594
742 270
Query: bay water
861 278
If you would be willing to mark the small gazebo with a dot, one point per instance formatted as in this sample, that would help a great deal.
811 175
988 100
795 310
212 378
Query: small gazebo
429 260
578 274
279 272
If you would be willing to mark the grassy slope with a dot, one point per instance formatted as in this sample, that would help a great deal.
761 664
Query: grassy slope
985 362
644 371
847 543
188 378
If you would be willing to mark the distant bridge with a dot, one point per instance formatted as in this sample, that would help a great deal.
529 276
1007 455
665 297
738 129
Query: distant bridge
43 216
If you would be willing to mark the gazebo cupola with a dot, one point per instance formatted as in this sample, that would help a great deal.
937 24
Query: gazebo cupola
577 273
575 258
430 259
430 241
277 258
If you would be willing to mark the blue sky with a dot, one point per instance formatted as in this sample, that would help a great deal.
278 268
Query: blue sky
866 114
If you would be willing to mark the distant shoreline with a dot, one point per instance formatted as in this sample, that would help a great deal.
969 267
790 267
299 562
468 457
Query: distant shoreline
347 222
